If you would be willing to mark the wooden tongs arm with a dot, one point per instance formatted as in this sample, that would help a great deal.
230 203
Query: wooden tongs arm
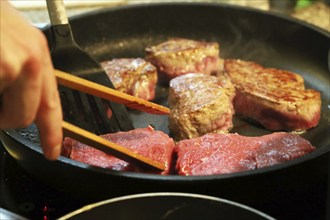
107 93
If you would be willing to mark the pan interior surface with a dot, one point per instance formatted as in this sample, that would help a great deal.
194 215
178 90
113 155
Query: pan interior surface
248 34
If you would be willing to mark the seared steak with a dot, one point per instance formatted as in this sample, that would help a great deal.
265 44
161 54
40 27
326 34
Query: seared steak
145 141
277 99
200 104
229 153
180 56
134 76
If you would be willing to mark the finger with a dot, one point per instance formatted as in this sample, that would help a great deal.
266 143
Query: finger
21 48
20 101
49 116
14 55
19 41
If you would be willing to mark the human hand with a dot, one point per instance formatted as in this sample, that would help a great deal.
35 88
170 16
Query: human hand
28 88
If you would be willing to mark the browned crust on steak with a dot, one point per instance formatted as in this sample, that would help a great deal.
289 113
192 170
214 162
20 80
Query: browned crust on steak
277 99
200 104
134 76
179 56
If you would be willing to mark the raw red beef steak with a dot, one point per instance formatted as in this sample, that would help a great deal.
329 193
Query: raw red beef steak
229 153
146 141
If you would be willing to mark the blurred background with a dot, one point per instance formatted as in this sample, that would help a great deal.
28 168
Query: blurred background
315 12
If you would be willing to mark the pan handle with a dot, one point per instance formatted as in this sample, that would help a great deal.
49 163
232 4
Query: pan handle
56 12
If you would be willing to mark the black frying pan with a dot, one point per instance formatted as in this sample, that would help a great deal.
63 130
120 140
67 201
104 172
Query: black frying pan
249 34
166 206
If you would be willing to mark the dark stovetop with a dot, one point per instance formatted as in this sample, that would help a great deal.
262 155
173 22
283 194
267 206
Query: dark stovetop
24 195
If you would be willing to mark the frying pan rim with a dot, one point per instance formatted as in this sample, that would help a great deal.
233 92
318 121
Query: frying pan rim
197 4
320 151
15 136
91 206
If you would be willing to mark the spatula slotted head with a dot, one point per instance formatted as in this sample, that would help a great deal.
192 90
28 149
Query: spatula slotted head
91 113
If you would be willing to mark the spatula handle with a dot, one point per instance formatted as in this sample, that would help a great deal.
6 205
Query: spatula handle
56 12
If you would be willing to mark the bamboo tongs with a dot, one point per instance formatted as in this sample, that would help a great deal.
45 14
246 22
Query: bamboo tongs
107 93
91 139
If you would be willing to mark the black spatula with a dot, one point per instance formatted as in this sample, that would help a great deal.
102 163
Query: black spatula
88 112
